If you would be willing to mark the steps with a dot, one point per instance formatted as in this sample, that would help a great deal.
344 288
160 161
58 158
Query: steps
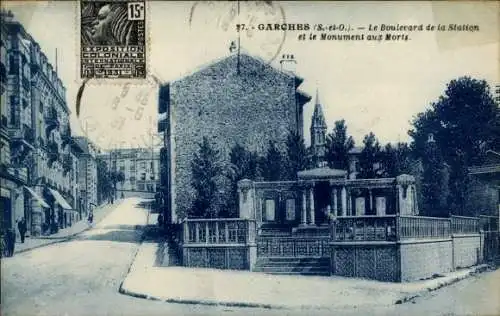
294 266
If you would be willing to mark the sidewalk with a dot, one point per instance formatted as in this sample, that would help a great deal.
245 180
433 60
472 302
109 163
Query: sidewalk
252 289
66 233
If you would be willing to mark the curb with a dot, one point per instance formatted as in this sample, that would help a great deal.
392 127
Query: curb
199 302
57 240
123 291
475 270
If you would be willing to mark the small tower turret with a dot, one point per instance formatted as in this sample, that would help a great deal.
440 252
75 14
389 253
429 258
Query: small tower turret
318 134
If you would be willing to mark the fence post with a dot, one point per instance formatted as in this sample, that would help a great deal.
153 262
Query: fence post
398 227
186 232
197 231
206 232
217 232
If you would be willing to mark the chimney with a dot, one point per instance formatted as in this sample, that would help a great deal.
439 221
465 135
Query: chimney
288 63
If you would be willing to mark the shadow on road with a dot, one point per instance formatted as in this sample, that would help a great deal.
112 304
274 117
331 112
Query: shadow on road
131 236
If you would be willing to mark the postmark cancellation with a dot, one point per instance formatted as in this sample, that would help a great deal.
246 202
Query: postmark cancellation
112 39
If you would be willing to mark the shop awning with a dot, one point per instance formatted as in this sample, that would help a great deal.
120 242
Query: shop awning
60 200
37 197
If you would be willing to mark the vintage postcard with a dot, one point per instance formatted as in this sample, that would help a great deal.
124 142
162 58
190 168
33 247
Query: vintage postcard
250 157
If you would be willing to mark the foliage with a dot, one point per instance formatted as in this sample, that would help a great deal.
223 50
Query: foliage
435 183
395 160
297 158
370 157
104 185
271 164
465 122
206 170
338 145
242 165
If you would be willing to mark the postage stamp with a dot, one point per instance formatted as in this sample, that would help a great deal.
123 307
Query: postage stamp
112 39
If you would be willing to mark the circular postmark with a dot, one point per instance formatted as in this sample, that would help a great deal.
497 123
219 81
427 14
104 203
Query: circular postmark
119 116
255 24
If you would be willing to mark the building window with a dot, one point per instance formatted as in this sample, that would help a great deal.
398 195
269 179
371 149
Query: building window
40 107
290 209
269 211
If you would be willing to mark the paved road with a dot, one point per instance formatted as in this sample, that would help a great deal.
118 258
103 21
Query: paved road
82 277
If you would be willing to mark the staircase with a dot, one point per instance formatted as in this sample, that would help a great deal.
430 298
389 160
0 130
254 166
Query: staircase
294 266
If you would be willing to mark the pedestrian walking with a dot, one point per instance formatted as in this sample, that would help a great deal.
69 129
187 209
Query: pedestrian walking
21 225
160 220
91 218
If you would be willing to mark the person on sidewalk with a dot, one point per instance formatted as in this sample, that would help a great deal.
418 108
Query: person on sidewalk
91 217
21 225
160 220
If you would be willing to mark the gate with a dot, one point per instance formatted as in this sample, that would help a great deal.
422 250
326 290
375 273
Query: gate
491 248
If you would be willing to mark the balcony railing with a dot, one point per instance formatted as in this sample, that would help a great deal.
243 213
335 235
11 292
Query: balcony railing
219 231
52 152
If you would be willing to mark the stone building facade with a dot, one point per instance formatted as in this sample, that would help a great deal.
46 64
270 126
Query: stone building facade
234 100
86 153
140 168
37 119
12 178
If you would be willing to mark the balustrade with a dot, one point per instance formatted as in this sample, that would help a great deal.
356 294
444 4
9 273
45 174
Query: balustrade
464 225
219 231
423 227
369 228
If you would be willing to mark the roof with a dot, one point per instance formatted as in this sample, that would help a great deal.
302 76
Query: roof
298 79
321 173
318 119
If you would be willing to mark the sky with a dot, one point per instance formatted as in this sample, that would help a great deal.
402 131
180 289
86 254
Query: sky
375 86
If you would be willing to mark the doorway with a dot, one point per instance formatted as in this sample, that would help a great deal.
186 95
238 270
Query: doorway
321 201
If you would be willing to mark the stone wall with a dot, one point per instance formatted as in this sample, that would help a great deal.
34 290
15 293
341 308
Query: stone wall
374 261
466 250
228 257
250 108
421 259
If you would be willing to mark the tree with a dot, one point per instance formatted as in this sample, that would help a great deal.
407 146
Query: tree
206 170
297 156
395 160
369 159
115 177
435 182
104 184
242 165
465 122
338 145
272 163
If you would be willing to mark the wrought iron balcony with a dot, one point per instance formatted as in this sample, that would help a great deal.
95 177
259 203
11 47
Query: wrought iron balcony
67 163
52 152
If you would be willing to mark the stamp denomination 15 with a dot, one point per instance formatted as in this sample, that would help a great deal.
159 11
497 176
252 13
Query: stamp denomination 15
113 39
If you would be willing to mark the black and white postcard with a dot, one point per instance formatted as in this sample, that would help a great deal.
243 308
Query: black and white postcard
250 157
